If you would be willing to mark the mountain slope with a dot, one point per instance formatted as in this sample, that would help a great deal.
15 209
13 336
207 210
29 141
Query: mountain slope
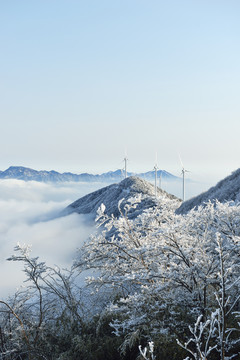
227 189
112 194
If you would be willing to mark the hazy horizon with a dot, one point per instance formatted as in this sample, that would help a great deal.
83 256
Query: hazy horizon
204 177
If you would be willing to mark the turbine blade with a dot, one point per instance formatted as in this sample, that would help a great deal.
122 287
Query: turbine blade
180 160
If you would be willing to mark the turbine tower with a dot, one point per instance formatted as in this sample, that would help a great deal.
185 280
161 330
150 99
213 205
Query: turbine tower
155 169
160 180
155 186
125 166
183 179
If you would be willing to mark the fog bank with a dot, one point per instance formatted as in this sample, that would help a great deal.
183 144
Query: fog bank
29 215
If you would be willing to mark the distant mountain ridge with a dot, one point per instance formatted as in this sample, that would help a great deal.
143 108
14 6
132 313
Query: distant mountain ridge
27 174
227 189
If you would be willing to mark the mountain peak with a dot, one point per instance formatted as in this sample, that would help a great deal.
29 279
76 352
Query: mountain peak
112 194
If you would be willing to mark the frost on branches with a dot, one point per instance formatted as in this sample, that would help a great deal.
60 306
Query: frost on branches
41 312
166 270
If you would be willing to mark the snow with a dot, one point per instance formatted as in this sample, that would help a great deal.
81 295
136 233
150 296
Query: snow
227 189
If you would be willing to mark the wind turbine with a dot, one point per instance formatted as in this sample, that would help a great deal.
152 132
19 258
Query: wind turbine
125 164
183 177
155 169
125 167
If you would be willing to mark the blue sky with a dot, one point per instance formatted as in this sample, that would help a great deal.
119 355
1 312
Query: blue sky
81 81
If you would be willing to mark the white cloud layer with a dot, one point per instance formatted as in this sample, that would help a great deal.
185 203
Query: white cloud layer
28 214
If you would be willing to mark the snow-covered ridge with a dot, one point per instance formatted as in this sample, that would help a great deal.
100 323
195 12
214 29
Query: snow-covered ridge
27 174
112 194
227 189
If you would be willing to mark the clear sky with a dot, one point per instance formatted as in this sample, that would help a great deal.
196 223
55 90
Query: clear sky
81 81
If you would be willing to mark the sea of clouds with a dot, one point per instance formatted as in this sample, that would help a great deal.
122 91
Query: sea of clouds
29 214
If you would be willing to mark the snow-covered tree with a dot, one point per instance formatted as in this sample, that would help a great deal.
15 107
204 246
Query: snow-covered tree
165 269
